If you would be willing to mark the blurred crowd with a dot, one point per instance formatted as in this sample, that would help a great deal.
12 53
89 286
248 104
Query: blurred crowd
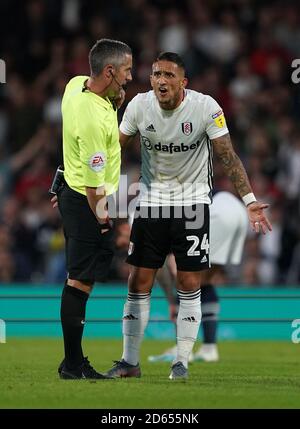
239 51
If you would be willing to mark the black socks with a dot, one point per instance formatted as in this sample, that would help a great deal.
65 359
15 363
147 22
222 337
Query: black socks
72 313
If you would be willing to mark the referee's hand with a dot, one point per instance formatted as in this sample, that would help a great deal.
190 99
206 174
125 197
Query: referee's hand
258 220
54 201
106 225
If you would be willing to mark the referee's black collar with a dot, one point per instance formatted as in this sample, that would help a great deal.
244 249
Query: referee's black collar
85 87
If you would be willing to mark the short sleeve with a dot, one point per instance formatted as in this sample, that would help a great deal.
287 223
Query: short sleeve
92 141
128 125
214 119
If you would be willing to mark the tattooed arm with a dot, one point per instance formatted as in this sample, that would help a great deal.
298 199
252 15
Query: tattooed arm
235 170
232 164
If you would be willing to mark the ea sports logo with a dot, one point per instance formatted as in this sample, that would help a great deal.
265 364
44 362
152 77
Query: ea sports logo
97 161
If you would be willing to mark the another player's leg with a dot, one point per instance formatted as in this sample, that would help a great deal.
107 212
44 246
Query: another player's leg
208 351
135 320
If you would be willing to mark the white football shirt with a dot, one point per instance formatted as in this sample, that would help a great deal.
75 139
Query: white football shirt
228 229
176 147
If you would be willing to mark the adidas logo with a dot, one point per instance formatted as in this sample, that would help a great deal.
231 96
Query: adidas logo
190 319
129 317
204 259
150 128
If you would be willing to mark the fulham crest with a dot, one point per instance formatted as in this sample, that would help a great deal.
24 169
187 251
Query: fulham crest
187 128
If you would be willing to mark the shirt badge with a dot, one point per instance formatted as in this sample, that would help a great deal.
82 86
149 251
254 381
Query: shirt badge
97 161
219 119
187 128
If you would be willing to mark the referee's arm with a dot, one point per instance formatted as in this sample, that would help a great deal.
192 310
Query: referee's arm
97 201
93 155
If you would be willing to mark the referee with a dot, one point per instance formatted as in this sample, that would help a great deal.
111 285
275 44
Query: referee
91 153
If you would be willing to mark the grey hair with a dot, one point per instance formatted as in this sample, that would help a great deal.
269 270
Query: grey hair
107 51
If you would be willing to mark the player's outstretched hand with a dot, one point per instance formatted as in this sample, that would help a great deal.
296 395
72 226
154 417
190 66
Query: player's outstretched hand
54 201
258 220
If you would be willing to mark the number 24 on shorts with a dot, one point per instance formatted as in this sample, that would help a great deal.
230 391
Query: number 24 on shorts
204 245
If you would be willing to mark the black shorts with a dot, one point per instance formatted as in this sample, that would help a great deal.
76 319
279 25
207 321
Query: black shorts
158 231
88 252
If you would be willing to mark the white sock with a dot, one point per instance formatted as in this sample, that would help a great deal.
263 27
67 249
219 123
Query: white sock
188 322
135 320
208 348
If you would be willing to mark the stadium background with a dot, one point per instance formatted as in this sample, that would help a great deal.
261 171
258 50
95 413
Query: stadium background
240 52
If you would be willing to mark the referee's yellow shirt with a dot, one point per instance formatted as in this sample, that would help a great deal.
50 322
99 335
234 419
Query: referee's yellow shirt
91 148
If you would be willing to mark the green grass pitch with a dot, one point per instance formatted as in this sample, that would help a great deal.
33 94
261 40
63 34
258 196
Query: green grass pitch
249 375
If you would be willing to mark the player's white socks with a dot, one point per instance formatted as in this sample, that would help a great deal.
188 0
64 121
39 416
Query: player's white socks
188 322
135 320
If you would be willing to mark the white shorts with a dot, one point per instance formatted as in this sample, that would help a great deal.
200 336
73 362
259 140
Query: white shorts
228 229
